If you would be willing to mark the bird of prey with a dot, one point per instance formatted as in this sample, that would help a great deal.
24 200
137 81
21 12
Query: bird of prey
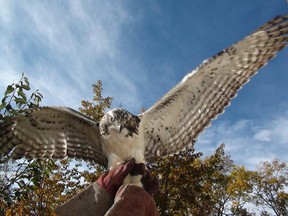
166 128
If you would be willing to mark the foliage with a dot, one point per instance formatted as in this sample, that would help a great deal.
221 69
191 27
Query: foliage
216 186
15 99
95 109
189 184
240 188
18 176
45 184
270 183
37 187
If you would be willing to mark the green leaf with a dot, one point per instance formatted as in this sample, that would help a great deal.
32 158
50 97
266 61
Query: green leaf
26 81
26 87
4 99
20 100
39 94
22 94
3 105
21 111
9 90
13 112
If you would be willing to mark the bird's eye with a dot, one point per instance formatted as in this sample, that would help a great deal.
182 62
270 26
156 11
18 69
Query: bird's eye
112 119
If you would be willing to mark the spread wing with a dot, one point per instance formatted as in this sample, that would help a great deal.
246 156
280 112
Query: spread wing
51 132
185 111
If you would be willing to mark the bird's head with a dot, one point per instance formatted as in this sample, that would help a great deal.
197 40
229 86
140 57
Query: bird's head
118 120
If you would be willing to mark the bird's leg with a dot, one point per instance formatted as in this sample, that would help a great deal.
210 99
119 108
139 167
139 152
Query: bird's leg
135 175
138 170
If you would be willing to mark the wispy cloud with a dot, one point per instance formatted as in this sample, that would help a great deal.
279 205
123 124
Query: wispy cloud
63 47
139 51
248 141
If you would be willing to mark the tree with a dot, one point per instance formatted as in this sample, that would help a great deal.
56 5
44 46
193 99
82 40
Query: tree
270 183
14 102
37 187
240 188
192 186
15 99
189 185
96 108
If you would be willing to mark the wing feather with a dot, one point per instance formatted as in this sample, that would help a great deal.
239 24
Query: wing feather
51 132
177 119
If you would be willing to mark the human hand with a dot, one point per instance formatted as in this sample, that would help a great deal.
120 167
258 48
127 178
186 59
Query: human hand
111 180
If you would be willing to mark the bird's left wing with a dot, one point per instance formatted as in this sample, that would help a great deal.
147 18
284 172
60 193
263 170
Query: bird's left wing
177 118
51 132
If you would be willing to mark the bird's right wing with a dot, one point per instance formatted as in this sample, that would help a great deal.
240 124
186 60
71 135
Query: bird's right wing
51 132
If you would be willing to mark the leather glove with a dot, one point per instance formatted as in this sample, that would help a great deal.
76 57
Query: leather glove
111 180
131 200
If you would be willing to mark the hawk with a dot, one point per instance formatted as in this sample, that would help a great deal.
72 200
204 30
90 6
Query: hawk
166 128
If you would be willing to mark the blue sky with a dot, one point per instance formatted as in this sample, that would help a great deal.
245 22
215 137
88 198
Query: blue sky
140 50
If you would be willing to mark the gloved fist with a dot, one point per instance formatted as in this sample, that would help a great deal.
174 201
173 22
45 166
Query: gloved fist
111 180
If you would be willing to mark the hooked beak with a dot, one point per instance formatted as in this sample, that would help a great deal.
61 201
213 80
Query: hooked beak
119 128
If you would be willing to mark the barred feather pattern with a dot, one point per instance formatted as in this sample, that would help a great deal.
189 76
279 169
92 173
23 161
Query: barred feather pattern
51 132
186 110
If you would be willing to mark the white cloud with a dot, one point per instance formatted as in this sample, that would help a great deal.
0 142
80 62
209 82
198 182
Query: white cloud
248 141
64 48
263 135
